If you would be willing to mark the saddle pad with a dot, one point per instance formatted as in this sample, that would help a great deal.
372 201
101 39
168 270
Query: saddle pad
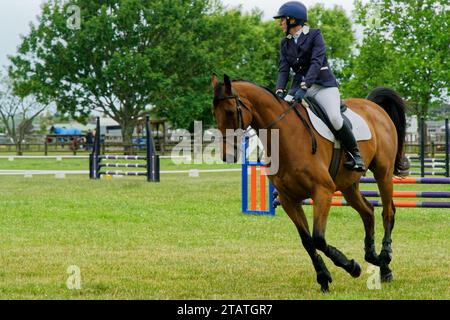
360 128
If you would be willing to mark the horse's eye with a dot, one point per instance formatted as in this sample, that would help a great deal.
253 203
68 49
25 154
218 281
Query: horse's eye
229 113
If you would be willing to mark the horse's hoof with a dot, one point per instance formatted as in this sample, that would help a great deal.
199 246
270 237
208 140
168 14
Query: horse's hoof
356 269
386 275
324 288
324 278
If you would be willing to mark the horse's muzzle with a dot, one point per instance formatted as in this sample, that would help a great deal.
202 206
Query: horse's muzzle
230 159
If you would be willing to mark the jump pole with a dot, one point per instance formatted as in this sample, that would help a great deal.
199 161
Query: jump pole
152 157
410 180
397 203
447 148
94 157
422 146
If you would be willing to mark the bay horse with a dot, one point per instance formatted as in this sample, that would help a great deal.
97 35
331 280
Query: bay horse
303 175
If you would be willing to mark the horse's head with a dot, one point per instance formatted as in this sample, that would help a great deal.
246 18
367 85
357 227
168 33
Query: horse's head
232 113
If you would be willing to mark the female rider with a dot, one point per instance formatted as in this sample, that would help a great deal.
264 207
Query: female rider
303 50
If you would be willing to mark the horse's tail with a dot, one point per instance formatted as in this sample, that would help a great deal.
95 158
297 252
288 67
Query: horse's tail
394 105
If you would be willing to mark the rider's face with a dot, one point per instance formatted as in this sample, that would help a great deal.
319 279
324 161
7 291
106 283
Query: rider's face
283 24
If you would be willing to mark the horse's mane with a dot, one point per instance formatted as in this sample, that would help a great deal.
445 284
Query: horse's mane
262 87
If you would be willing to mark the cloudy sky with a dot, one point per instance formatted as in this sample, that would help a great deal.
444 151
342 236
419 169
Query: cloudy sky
16 15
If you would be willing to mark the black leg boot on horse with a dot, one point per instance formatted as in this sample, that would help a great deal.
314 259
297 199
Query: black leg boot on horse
354 161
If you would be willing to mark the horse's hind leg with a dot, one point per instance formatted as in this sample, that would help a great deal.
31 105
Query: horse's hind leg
297 215
366 211
322 203
386 187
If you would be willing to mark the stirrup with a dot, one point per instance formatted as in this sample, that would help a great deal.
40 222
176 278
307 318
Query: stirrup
353 165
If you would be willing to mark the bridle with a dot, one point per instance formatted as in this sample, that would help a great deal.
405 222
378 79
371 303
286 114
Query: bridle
239 105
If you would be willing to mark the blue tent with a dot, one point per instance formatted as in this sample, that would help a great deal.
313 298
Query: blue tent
65 131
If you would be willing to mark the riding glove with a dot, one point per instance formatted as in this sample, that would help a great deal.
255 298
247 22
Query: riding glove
299 95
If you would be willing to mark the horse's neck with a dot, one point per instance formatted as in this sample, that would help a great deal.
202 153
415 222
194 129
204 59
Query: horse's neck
267 110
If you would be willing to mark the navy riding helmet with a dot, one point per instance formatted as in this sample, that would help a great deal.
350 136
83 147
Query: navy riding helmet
293 9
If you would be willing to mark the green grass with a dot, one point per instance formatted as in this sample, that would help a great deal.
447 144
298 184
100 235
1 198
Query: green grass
185 238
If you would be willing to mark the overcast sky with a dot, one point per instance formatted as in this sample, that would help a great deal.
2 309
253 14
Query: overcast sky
16 15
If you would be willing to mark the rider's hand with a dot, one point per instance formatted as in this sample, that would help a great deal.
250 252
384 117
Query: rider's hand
303 86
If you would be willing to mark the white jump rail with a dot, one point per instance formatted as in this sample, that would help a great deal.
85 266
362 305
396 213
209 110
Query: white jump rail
85 172
59 158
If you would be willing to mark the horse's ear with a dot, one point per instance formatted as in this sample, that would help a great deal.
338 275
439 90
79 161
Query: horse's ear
227 83
214 80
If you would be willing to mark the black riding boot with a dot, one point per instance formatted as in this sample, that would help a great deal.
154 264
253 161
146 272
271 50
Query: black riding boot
354 161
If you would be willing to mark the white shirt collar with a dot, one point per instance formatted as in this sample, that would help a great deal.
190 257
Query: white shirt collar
304 30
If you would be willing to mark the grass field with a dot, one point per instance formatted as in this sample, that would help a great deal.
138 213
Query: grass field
185 238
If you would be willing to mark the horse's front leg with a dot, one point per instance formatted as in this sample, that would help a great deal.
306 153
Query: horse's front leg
297 215
322 203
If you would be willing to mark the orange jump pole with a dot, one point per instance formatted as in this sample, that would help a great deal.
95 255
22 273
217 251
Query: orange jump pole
262 188
253 188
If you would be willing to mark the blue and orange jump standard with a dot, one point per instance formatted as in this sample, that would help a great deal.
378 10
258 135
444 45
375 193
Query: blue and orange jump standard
265 204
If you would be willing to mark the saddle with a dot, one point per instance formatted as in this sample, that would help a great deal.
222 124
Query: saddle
323 126
317 109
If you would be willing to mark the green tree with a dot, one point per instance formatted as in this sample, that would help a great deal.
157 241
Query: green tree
225 42
373 66
416 48
126 55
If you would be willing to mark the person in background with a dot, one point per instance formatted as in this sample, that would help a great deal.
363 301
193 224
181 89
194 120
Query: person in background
89 140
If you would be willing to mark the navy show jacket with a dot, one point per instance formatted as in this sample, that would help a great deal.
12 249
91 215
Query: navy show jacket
308 60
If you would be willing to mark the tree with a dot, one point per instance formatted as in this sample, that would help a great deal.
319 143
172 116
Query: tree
416 36
373 66
124 57
17 113
225 42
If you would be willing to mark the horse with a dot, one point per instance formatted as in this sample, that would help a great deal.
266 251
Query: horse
304 174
